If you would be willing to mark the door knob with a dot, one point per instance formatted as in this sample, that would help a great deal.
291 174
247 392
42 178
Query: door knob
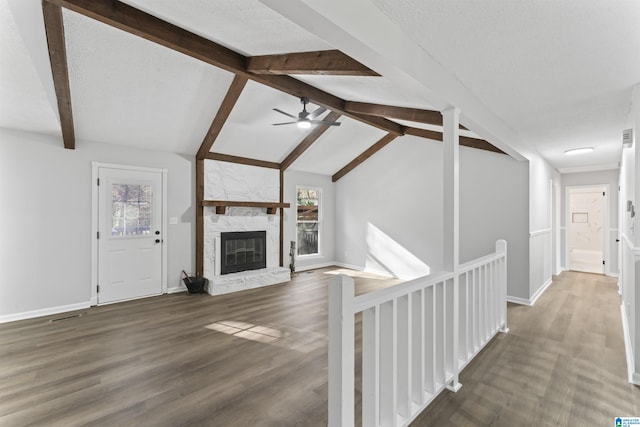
157 240
157 232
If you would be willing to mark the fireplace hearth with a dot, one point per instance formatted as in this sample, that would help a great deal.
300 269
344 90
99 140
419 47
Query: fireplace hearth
243 251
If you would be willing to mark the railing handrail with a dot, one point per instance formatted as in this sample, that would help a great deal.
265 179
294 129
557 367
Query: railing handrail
371 299
475 263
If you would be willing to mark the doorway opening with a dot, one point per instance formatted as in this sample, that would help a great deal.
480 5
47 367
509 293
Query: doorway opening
587 224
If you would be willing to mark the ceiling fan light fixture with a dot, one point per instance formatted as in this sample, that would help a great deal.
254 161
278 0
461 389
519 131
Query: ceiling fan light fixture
303 124
576 151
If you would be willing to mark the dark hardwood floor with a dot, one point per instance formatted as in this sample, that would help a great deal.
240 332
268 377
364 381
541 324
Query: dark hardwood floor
259 358
562 364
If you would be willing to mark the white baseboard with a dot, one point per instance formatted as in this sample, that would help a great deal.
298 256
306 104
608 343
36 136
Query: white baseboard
176 289
518 300
315 266
43 312
540 291
531 301
633 377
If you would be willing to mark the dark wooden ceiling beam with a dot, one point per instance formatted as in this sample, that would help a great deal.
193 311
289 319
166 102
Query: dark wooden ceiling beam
134 21
229 101
465 141
308 141
54 28
424 133
479 144
429 117
322 62
242 160
364 156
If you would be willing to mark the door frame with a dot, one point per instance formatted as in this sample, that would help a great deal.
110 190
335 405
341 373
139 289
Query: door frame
95 166
607 223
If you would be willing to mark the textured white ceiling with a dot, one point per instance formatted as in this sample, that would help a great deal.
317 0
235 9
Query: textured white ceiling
23 101
337 147
127 90
558 72
246 26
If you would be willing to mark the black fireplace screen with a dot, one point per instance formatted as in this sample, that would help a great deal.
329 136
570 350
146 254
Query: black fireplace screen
242 251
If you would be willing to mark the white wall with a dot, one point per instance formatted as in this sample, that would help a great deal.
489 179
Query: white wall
494 204
542 179
389 210
292 180
45 215
610 177
630 241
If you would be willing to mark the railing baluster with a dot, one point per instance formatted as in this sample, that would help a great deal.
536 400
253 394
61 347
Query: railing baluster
403 328
430 338
371 367
417 347
388 364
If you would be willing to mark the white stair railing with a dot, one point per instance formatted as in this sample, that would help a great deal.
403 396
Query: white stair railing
408 337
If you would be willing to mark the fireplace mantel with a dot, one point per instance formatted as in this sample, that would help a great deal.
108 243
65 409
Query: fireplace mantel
221 205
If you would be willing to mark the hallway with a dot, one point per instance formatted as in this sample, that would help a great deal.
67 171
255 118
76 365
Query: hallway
562 364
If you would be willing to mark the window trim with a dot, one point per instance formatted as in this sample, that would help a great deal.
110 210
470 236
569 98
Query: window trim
319 221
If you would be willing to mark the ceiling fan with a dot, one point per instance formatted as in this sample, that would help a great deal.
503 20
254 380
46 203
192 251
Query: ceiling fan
306 119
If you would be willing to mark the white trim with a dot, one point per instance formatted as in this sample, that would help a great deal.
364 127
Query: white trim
315 266
531 301
177 289
632 377
43 312
540 232
95 166
635 250
540 291
518 300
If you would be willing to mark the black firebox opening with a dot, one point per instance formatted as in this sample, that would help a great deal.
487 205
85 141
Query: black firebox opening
244 250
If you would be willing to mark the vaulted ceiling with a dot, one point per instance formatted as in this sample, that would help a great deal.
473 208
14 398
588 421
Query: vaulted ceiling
536 76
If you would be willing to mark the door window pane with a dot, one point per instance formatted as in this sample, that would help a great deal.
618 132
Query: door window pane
131 209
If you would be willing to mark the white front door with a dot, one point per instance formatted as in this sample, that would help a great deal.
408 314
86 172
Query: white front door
130 234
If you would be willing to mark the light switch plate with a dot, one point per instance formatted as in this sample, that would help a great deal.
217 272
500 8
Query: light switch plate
173 220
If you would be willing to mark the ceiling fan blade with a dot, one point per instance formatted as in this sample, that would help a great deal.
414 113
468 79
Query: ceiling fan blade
287 123
322 122
286 114
316 113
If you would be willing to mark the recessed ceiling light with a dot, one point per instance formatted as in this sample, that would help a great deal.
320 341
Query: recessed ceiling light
582 150
304 124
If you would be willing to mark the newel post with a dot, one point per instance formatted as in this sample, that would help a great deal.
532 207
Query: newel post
501 248
341 352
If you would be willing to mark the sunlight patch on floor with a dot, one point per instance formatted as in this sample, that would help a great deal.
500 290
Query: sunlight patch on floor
247 331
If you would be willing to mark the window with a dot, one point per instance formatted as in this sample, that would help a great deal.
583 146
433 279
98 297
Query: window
130 209
308 221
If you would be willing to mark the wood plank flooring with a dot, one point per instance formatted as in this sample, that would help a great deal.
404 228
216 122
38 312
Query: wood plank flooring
259 358
562 364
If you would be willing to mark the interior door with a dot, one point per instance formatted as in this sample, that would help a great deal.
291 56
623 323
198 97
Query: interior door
130 242
587 230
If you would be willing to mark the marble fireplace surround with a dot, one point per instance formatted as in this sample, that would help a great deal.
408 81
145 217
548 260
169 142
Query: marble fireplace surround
234 182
